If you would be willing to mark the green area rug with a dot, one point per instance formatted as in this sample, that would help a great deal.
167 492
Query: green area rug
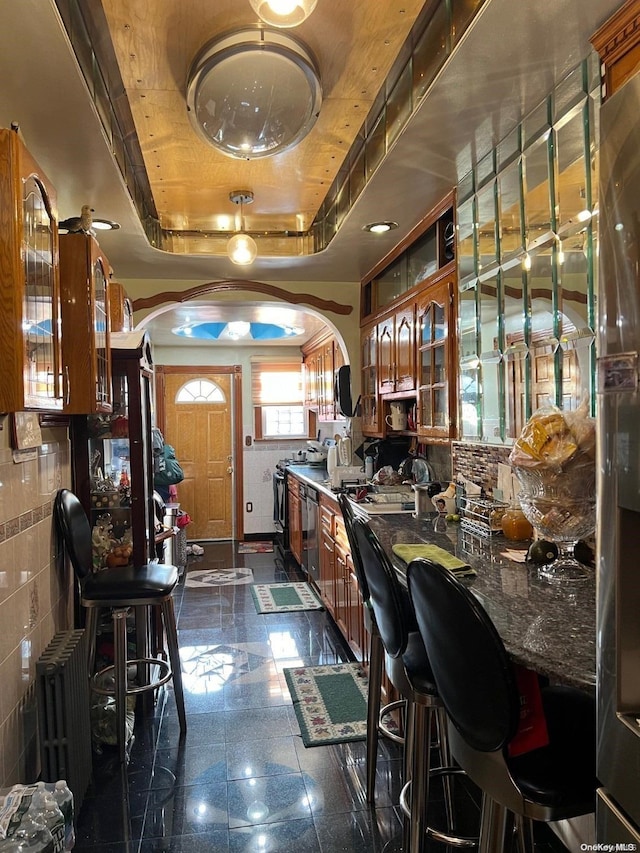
330 702
284 597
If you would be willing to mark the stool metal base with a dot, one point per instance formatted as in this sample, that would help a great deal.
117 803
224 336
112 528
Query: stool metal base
163 665
438 834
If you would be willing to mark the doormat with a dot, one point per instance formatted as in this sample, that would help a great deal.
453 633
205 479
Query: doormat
330 702
218 577
255 547
284 597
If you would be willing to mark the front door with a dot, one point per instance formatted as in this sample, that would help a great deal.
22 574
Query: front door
197 421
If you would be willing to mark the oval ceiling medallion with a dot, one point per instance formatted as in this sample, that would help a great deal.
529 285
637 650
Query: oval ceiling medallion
253 93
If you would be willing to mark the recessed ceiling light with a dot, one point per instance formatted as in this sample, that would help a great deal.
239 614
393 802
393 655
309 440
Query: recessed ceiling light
105 225
380 227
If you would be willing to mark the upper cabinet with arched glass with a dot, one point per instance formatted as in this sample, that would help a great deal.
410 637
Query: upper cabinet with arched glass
85 274
29 287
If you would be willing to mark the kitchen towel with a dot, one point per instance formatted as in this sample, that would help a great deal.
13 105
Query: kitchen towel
437 554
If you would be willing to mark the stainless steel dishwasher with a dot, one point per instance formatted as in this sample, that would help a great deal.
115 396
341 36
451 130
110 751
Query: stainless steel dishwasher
310 539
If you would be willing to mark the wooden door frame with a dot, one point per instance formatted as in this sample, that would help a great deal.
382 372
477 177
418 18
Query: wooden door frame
235 371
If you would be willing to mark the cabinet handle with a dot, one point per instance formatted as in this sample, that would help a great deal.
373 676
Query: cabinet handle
67 385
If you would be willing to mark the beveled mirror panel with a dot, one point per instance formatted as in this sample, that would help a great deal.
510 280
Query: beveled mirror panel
537 191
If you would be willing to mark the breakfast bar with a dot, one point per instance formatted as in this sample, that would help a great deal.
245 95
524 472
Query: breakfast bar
547 627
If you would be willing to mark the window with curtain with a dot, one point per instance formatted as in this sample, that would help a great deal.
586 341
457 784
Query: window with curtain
277 390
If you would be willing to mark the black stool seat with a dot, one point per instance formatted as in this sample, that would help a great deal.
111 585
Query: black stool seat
409 670
121 588
479 688
138 584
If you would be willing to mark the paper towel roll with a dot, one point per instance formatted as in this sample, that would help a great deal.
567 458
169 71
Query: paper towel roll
332 461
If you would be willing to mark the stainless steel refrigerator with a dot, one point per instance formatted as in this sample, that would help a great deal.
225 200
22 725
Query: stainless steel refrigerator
618 597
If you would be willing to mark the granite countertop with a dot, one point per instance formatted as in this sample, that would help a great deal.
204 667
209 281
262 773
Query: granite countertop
550 628
547 627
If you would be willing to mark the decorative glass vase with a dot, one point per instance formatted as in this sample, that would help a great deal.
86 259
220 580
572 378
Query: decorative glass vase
561 506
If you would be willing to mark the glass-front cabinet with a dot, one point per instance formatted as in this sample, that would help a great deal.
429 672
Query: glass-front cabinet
113 472
436 366
369 361
85 274
29 285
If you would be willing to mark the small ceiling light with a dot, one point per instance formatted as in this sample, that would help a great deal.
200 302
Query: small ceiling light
254 93
283 13
380 227
238 329
104 225
242 248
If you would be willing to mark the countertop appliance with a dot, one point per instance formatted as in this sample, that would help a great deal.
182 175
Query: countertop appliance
618 588
317 452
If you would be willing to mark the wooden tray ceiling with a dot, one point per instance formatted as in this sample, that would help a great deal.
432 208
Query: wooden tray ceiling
355 43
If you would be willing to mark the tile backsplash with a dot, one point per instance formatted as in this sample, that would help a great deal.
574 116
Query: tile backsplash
35 600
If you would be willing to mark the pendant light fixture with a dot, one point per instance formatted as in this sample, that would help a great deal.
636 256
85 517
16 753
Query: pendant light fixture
283 13
242 248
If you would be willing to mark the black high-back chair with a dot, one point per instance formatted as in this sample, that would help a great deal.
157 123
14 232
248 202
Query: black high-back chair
477 683
409 671
376 713
119 589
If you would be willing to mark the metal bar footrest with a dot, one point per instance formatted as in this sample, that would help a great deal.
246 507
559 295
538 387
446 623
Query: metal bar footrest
383 727
438 834
164 675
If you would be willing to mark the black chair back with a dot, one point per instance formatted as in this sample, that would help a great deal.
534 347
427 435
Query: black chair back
349 518
393 616
74 528
470 664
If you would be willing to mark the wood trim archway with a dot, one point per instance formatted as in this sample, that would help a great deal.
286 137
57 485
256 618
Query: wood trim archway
243 285
235 370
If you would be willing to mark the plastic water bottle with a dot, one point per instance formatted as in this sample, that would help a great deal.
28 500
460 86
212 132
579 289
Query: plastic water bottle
32 835
64 798
368 467
44 807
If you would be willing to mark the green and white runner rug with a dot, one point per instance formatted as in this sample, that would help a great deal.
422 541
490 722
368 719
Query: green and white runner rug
284 597
330 702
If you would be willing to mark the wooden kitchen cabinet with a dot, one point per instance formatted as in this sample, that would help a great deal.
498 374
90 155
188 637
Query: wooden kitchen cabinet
396 352
617 42
84 276
349 605
327 581
120 308
322 358
295 518
112 460
29 283
437 375
369 382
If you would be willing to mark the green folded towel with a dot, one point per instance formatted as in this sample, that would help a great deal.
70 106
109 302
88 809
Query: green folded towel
437 554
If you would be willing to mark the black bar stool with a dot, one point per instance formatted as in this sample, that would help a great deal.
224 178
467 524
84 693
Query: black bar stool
121 588
376 713
409 670
477 683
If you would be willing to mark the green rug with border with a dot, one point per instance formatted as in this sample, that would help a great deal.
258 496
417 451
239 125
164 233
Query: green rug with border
284 597
330 702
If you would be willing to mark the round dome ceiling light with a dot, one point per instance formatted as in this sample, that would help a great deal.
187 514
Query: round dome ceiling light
380 227
283 13
253 93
